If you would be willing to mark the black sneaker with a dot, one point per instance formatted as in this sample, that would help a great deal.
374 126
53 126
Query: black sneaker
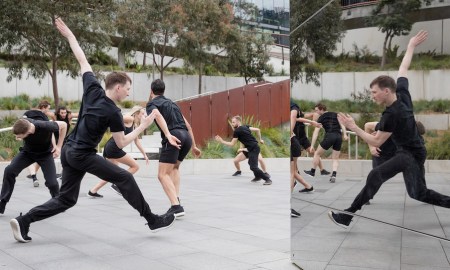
256 179
116 189
35 183
368 203
20 229
310 173
237 173
340 219
2 207
267 182
333 179
161 222
94 195
268 175
324 172
29 176
176 210
294 213
306 190
58 175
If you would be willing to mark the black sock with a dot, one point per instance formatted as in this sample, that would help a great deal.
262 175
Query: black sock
313 171
33 176
351 209
334 173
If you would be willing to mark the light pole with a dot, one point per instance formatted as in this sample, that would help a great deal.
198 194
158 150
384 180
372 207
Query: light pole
154 40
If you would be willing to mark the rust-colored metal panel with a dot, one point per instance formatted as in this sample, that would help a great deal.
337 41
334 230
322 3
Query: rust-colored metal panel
201 119
185 107
236 101
251 102
275 104
219 114
264 105
285 100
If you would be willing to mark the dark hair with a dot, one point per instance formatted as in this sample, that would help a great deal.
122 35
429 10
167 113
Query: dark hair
158 87
320 106
21 126
115 78
43 104
384 81
58 117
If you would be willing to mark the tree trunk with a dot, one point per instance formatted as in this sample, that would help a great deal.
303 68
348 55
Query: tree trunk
200 70
161 68
54 77
144 61
383 58
121 58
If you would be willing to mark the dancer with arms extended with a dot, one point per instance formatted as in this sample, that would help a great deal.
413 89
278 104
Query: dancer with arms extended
98 112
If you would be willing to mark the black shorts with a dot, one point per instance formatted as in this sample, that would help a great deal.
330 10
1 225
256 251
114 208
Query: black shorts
245 153
112 150
171 154
332 140
296 150
304 143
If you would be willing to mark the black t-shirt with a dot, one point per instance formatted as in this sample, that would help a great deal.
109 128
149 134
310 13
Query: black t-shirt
170 111
97 115
41 140
399 119
330 122
388 148
299 128
244 135
36 115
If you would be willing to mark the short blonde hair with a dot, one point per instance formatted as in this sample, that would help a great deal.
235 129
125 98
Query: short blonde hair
238 118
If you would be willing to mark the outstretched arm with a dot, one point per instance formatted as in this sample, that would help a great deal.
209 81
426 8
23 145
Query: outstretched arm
413 43
76 49
232 143
258 131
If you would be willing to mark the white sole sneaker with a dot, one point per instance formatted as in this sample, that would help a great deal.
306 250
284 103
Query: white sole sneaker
36 183
330 215
16 231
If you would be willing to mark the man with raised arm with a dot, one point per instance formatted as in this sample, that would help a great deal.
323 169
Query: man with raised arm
98 112
397 122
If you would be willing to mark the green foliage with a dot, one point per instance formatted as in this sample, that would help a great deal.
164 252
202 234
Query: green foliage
127 104
315 39
435 149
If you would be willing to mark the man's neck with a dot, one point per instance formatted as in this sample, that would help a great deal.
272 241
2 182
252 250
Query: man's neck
110 95
32 129
390 100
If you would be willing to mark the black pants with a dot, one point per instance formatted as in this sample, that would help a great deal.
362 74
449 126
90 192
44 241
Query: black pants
253 163
21 161
75 164
412 167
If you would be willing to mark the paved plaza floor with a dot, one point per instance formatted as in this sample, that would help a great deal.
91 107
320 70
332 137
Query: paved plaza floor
317 243
230 223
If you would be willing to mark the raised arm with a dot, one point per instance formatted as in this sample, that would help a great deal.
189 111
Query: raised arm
413 43
76 49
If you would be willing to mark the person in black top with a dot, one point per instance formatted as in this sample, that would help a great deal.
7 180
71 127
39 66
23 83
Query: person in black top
397 122
98 112
171 157
41 113
37 147
334 133
243 133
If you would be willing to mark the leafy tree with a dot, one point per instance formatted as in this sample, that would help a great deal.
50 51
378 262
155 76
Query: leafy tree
392 18
207 27
148 24
27 32
315 39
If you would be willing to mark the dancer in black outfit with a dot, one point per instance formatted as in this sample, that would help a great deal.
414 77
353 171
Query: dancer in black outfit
397 122
171 157
98 112
37 147
244 135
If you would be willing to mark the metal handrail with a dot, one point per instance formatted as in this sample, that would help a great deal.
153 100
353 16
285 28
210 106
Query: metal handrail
5 129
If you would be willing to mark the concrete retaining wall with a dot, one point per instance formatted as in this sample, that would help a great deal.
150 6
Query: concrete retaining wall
424 85
177 86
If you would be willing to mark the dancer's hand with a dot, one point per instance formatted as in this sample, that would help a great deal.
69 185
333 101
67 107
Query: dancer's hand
218 138
174 141
375 151
147 120
311 149
196 151
147 161
62 28
56 151
261 141
345 137
347 121
418 39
